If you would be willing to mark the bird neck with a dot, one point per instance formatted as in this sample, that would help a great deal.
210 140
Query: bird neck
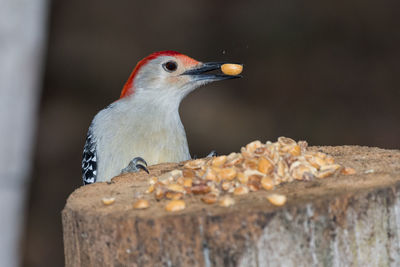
160 111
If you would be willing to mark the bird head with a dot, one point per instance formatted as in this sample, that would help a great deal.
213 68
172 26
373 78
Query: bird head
170 75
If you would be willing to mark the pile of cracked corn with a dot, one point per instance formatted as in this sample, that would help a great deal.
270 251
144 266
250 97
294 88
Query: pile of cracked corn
257 167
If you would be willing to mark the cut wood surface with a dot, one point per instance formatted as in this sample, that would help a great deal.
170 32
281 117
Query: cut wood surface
351 220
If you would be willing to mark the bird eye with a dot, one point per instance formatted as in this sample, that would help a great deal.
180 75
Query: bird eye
170 66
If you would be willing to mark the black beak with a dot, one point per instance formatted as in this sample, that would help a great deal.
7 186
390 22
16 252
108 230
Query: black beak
200 72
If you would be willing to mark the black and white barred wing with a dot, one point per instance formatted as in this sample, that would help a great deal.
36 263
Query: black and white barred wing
89 161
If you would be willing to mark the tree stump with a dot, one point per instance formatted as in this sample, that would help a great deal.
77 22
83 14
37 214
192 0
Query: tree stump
351 220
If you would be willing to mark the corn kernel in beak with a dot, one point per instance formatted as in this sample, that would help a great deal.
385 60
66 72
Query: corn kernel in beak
231 69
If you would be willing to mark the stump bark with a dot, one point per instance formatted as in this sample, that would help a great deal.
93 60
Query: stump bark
349 220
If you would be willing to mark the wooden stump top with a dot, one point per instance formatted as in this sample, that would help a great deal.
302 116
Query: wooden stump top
96 234
374 167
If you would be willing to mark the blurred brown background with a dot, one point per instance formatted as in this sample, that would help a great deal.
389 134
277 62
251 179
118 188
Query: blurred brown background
323 71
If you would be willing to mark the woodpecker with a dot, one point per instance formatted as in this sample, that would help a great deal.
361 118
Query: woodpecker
143 126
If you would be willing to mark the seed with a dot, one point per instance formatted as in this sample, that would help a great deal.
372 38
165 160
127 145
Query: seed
188 190
108 200
276 178
214 190
274 155
265 165
150 189
251 147
194 164
328 170
141 204
303 145
298 172
198 181
348 171
286 141
311 160
176 173
242 178
187 182
329 159
253 186
232 69
153 180
251 164
226 185
210 175
252 175
233 159
165 178
260 150
320 155
218 161
282 168
209 199
334 167
173 195
200 189
200 173
277 199
175 205
215 169
161 183
319 162
232 156
180 180
290 159
159 193
175 188
295 150
227 174
255 178
188 173
257 166
267 183
226 201
245 153
241 190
